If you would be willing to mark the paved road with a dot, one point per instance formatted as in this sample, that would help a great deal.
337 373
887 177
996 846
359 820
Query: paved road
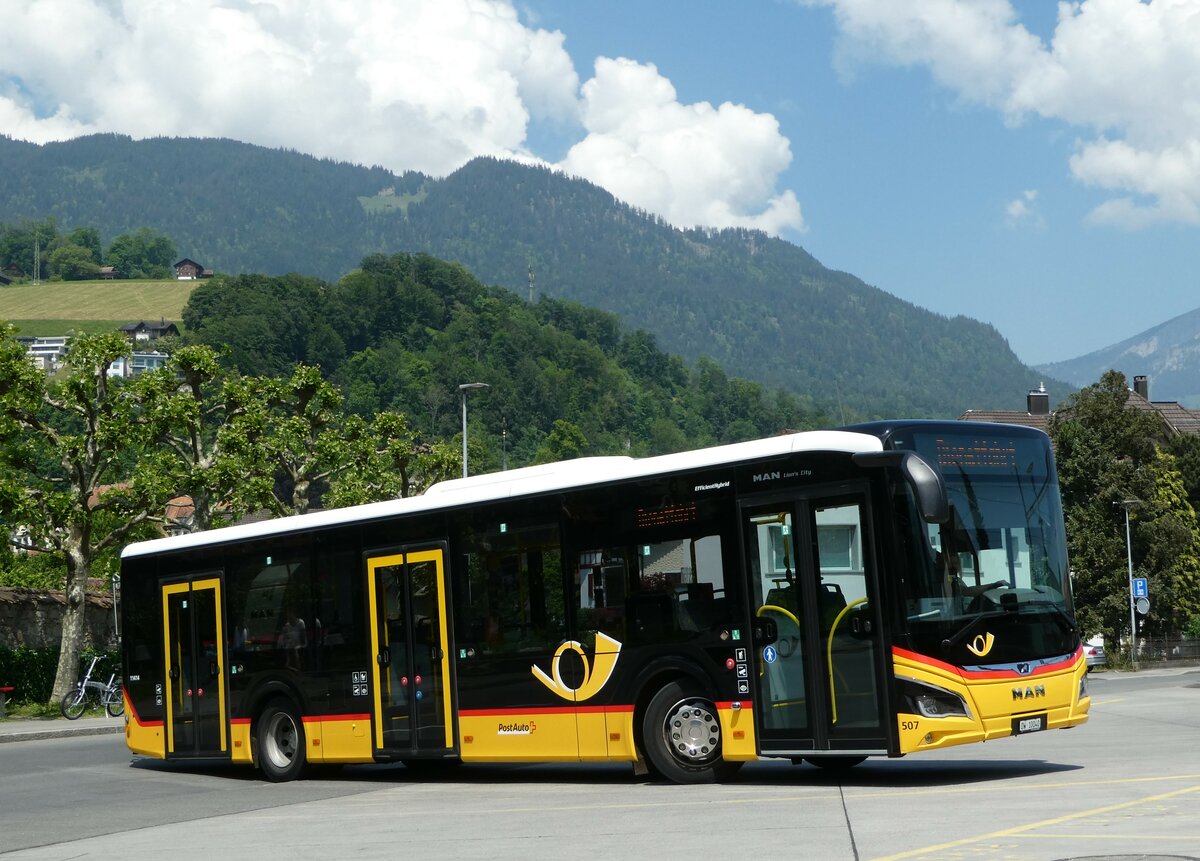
1127 785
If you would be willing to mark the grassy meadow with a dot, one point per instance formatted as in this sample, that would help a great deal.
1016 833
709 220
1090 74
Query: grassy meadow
58 307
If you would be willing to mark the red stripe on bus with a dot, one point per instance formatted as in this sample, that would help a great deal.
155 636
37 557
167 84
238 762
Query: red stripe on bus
536 710
984 674
133 712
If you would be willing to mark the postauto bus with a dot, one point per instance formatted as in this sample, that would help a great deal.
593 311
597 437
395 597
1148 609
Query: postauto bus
822 597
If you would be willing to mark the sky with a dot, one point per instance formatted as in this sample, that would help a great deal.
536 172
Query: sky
1029 164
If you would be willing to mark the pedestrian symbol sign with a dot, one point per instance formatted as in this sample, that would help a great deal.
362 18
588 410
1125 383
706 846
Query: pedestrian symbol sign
1140 588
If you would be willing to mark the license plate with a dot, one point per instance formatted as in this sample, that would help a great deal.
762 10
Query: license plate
1037 723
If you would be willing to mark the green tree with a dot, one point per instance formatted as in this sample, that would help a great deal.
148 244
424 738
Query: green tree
1108 453
145 253
1171 550
389 463
73 263
215 426
26 242
89 238
307 440
75 467
564 442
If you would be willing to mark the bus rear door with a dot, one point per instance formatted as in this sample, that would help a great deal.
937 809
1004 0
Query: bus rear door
413 690
821 685
194 694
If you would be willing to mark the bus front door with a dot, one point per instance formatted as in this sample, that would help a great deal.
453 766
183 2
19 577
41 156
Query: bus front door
194 652
413 708
820 674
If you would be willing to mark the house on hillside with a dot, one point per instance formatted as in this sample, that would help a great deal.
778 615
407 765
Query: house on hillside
46 354
143 331
137 363
14 271
108 273
190 270
1176 418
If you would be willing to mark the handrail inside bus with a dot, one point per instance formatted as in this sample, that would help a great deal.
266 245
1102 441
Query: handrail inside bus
778 609
829 656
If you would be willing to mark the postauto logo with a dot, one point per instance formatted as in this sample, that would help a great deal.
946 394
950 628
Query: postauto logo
595 675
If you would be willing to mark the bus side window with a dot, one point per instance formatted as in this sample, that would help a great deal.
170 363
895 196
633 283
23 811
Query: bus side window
511 600
601 586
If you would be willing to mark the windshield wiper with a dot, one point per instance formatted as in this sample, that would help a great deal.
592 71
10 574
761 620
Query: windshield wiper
958 635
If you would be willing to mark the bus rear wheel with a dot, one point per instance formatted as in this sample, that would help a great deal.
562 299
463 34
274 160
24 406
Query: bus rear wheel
681 732
279 737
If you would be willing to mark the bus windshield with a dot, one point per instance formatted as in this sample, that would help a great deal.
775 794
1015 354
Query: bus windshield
999 563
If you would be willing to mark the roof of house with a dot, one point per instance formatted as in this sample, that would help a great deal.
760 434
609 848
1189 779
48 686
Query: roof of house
1007 417
1177 418
144 326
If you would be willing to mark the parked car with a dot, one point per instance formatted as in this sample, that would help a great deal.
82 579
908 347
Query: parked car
1093 650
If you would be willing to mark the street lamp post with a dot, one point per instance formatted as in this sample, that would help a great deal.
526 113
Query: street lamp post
1128 504
463 389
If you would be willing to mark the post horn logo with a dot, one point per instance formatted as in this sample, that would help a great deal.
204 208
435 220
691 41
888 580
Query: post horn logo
982 644
594 676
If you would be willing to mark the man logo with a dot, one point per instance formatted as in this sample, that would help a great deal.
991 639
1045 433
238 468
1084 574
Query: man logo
766 476
1029 693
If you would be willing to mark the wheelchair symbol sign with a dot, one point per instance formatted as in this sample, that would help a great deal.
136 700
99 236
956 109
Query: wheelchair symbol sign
769 654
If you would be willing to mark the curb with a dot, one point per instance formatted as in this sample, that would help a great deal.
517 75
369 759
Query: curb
63 732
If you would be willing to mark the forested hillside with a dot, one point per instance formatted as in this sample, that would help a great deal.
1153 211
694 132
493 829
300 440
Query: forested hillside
404 331
762 308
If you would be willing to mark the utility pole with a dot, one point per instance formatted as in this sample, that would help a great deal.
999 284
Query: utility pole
530 283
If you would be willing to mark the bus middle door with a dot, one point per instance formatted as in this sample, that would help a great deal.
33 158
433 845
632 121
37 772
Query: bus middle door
413 708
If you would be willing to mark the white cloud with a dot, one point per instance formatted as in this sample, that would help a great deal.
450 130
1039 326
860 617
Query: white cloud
1125 71
407 84
693 164
1023 209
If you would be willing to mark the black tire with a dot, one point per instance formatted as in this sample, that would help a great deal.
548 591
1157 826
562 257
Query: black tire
681 734
116 708
835 762
279 742
73 703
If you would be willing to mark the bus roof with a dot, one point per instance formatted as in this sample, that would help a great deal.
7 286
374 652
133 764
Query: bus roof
495 486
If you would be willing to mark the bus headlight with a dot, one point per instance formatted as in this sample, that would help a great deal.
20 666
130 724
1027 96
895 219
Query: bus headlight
932 701
1083 690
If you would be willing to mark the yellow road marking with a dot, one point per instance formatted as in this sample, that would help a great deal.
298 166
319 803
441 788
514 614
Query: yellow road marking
1045 823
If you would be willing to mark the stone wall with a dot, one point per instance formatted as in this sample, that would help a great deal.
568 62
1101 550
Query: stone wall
33 619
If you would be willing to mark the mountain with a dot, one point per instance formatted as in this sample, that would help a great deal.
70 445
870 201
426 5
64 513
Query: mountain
761 307
1168 354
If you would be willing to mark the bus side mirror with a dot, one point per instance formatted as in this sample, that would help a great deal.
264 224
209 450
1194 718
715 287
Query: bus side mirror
925 481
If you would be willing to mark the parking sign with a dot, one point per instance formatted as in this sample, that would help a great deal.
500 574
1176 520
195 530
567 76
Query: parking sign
1140 588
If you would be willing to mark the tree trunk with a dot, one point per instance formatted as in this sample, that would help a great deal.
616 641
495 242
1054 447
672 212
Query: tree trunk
73 624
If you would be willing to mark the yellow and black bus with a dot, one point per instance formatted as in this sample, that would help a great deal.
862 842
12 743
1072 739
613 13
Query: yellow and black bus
878 590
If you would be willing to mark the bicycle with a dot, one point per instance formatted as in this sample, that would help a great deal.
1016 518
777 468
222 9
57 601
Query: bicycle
109 695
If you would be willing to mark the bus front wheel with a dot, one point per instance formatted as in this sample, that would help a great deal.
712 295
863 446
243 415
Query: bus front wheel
681 732
279 735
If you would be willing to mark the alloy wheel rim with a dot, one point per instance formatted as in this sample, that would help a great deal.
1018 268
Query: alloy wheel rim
693 732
